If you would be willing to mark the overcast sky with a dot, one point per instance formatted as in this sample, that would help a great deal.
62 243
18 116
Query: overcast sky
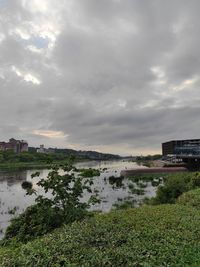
117 76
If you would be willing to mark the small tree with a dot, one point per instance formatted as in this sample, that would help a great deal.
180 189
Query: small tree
63 206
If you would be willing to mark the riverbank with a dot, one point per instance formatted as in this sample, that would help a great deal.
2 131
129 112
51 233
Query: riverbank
18 166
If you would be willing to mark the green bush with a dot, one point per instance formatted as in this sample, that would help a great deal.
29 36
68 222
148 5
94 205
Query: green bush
35 221
191 198
61 205
174 186
165 235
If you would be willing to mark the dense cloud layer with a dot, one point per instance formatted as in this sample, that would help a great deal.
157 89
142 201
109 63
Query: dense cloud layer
117 76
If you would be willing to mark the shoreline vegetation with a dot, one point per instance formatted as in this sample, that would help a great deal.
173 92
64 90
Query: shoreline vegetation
33 160
164 231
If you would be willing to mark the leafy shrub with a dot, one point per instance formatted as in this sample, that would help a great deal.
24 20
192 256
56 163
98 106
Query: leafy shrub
190 198
195 180
35 221
61 206
155 182
27 185
175 185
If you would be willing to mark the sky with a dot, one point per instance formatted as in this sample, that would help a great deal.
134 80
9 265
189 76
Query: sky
117 76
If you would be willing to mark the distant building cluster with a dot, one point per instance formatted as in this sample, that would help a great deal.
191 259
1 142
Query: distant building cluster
17 146
42 149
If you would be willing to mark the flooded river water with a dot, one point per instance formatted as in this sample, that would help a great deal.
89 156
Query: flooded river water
13 199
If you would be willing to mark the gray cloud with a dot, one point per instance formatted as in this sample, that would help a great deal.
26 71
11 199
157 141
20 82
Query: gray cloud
117 76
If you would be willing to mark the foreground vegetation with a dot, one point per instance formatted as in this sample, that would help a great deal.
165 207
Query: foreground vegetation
174 186
165 235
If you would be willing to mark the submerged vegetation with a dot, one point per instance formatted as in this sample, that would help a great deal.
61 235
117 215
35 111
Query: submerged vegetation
116 181
88 173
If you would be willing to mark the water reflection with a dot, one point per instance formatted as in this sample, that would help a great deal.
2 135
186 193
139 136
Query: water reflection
12 178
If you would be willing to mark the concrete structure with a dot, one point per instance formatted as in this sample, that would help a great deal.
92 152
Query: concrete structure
17 146
189 148
41 149
187 151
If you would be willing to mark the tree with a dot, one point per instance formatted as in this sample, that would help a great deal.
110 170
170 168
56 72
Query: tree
62 206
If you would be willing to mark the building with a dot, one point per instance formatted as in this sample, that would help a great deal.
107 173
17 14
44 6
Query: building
182 148
42 149
17 146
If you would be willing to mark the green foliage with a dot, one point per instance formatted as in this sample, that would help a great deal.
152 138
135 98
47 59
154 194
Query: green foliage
60 205
35 221
89 172
10 157
190 198
147 177
195 180
27 185
116 181
1 157
165 235
174 186
26 157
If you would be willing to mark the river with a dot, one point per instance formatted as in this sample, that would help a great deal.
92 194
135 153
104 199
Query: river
13 199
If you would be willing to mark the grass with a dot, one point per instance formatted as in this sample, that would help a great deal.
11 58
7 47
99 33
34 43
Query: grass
164 235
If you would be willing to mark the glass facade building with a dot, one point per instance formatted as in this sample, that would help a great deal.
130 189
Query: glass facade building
182 148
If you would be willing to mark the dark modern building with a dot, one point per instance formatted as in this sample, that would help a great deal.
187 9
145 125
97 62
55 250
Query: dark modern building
182 148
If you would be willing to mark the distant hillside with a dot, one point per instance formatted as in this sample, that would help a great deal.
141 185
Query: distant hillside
88 154
92 155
